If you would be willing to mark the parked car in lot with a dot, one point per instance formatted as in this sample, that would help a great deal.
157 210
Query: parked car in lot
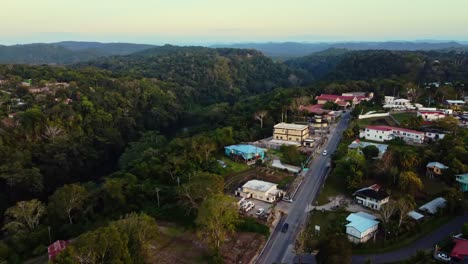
222 163
442 256
260 211
287 199
325 152
285 227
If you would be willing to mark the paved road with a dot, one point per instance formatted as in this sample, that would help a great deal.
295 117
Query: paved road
280 247
426 242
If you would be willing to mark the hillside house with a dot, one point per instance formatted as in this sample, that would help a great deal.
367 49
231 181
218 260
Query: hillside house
343 101
361 227
245 153
260 190
291 132
455 104
391 103
373 197
462 180
433 134
435 168
360 145
431 115
385 133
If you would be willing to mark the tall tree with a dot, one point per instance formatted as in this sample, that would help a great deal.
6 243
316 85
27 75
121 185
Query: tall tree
24 216
216 218
409 182
200 187
405 205
67 200
259 116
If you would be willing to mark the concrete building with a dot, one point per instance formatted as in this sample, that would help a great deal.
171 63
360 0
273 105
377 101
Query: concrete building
291 132
431 115
260 190
385 133
361 227
391 103
433 134
373 197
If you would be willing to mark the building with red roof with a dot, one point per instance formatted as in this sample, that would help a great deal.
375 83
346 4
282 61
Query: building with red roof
338 99
55 248
459 252
386 133
431 115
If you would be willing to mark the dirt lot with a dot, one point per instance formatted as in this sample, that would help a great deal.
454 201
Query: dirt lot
233 181
183 246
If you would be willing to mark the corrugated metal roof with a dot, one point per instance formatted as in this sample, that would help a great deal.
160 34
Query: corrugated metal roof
261 186
434 205
360 222
436 164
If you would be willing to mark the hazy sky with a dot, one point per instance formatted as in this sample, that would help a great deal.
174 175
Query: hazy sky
213 21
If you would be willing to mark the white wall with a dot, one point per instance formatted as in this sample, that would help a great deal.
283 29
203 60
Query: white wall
373 115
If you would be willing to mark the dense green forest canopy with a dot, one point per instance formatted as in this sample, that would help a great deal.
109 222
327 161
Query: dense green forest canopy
414 66
215 74
128 130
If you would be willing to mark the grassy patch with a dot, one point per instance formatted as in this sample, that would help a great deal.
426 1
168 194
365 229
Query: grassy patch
401 117
376 121
329 222
402 241
232 166
334 185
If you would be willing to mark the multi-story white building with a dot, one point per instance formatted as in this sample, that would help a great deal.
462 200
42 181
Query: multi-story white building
431 115
385 133
372 197
401 103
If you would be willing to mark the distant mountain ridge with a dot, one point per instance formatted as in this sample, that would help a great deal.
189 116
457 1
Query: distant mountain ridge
298 49
66 52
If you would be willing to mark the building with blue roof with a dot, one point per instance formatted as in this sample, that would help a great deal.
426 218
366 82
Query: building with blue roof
245 153
435 168
360 145
361 227
462 180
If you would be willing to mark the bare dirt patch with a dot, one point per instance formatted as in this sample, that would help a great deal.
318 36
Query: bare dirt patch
177 245
233 181
242 248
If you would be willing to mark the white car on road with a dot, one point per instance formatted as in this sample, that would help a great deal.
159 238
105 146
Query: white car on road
325 152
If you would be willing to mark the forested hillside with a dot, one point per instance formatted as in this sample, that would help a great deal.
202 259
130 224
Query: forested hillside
417 66
91 154
67 52
214 74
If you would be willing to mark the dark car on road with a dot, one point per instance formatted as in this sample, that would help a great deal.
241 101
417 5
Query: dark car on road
285 227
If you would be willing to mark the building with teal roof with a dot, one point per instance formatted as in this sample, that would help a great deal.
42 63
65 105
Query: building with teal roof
361 227
245 153
462 180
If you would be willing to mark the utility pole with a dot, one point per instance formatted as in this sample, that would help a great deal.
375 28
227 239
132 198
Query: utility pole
50 237
157 194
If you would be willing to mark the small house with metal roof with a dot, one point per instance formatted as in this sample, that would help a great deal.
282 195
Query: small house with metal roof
361 227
